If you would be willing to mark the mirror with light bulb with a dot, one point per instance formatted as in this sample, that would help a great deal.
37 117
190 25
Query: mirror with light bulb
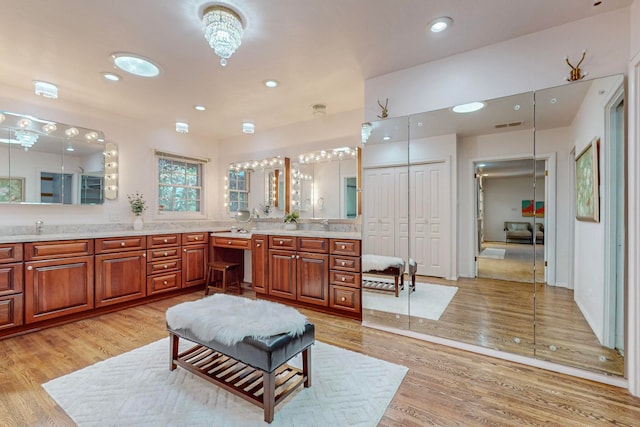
46 162
324 184
258 186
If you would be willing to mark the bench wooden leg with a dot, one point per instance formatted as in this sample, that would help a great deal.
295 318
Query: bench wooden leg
268 394
173 345
395 280
306 366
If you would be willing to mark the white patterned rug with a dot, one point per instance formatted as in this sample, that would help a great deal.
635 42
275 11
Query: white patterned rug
493 253
137 389
428 301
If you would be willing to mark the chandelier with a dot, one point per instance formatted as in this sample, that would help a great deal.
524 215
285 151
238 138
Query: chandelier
26 138
223 30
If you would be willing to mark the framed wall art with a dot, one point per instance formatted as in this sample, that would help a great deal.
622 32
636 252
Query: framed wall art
11 190
587 183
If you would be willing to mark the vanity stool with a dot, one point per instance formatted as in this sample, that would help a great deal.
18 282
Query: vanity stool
223 268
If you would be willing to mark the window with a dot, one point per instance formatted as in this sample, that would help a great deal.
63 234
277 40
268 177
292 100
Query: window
238 190
179 183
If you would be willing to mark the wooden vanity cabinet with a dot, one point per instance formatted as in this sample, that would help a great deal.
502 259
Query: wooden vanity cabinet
120 269
345 276
58 278
298 269
195 254
260 263
11 285
164 263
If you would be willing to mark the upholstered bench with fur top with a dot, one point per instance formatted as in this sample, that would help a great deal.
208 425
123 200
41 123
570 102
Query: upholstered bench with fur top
243 346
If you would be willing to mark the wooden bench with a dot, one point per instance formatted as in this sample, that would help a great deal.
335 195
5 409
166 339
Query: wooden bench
383 266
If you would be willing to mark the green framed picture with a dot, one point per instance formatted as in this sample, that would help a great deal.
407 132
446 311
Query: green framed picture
11 190
587 183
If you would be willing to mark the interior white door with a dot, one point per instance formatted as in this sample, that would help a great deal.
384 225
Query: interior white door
378 211
430 223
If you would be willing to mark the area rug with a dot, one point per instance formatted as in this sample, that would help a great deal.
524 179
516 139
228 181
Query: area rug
137 389
428 301
493 253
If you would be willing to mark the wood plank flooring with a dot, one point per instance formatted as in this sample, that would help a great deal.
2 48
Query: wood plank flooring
444 386
498 314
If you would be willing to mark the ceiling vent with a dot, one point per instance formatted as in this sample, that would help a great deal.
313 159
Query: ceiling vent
507 125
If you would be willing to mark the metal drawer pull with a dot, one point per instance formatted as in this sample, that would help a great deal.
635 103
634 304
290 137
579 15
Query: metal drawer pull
343 299
30 268
343 246
229 242
166 266
258 245
165 282
165 240
185 249
344 278
281 242
197 237
166 254
344 263
293 256
122 244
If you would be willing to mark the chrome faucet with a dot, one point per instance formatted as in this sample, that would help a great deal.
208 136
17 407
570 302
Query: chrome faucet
325 224
39 226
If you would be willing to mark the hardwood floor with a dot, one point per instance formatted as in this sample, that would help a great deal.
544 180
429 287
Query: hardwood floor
444 386
498 314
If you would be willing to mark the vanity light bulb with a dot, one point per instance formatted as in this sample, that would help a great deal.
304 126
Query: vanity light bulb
49 128
71 132
24 123
2 117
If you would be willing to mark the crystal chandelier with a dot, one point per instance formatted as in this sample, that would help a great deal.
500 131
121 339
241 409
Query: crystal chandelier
223 30
26 138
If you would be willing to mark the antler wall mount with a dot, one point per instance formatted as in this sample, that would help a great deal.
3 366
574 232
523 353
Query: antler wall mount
384 113
576 73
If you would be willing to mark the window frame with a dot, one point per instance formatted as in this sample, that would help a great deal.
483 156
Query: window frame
247 189
200 163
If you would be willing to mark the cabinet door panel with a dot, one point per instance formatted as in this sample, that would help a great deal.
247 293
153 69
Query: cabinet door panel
313 272
282 274
11 312
11 279
194 265
259 264
120 277
58 287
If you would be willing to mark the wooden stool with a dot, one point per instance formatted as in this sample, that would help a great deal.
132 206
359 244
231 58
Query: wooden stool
222 267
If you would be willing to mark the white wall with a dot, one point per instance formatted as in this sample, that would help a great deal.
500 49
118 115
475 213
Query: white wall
503 202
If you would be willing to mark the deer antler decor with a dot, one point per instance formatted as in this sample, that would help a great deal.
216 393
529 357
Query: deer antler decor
385 112
575 73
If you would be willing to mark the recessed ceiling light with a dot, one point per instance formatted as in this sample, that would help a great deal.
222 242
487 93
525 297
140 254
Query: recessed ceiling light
248 127
200 107
48 90
553 100
270 83
386 138
440 24
468 108
111 76
136 65
182 127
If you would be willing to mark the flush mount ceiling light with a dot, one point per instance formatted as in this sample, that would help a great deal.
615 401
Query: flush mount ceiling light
440 24
48 90
248 127
136 65
111 77
468 108
182 127
270 83
200 107
223 31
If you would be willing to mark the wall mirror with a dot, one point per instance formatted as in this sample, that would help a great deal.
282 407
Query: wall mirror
49 162
442 194
259 186
324 184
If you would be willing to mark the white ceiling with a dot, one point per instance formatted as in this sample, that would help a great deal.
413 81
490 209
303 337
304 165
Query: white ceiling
320 51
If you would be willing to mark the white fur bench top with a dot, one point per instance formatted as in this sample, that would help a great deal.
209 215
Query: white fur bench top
229 319
380 262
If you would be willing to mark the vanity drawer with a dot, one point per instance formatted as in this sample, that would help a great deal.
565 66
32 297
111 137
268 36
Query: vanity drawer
154 255
11 311
58 249
11 279
282 242
313 244
344 263
163 282
344 298
345 247
119 244
195 238
11 252
344 279
230 242
163 240
163 266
